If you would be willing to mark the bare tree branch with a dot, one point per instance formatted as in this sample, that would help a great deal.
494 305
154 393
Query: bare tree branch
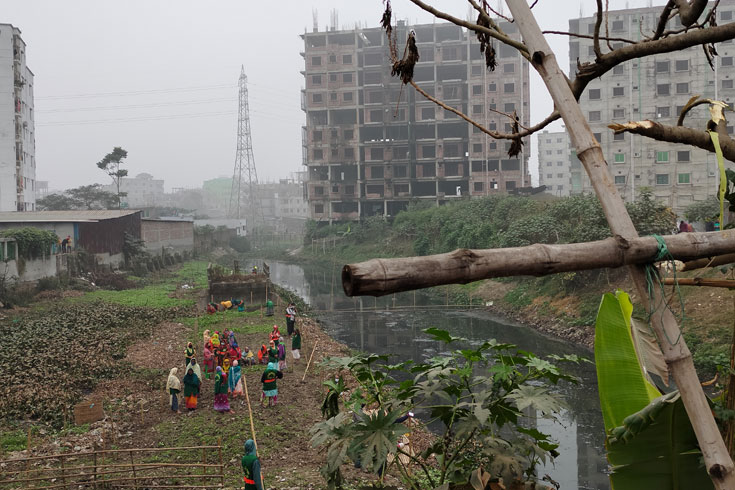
663 19
689 11
678 134
596 37
689 107
474 27
587 36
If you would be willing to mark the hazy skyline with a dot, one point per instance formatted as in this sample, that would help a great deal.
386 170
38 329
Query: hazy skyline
159 78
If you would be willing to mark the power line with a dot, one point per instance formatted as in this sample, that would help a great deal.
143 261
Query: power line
136 119
134 106
137 92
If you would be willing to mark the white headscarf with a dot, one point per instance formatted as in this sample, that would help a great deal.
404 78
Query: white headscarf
173 380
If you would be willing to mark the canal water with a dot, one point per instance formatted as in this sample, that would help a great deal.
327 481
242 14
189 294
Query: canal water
391 325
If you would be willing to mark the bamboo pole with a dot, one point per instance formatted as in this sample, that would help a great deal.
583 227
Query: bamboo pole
63 472
221 466
677 355
378 277
95 470
250 412
709 262
132 465
309 363
700 281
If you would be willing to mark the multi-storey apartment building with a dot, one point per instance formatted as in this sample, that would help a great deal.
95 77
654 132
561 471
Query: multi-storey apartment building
17 131
140 191
656 88
554 163
371 144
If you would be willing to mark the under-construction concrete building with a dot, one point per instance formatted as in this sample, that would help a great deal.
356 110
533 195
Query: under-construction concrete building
372 145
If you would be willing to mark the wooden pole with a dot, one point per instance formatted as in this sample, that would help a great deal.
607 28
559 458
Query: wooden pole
700 281
309 363
677 355
204 461
95 468
709 262
141 411
221 466
378 277
63 471
135 476
250 412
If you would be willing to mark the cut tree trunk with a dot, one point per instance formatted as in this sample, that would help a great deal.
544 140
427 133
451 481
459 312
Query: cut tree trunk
378 277
709 262
700 281
677 355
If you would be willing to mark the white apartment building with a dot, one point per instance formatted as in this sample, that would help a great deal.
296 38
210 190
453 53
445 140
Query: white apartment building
17 130
141 191
554 163
656 88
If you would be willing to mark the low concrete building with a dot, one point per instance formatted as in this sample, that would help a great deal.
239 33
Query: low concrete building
101 233
168 232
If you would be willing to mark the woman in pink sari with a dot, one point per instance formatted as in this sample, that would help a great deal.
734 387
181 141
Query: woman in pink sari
208 359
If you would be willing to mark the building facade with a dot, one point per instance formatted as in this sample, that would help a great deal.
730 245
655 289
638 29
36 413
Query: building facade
140 191
656 88
371 144
17 129
554 163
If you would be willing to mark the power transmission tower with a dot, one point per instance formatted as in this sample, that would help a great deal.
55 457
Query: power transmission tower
245 177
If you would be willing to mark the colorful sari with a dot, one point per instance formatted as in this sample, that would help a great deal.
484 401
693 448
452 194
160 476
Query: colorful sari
208 360
191 389
234 380
221 402
215 340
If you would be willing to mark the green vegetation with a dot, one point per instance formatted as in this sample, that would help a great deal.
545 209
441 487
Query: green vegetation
32 242
474 394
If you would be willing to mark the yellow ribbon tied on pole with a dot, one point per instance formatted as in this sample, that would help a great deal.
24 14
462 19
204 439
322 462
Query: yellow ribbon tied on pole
723 178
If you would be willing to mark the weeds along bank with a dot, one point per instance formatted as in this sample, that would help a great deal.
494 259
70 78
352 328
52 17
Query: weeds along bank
564 305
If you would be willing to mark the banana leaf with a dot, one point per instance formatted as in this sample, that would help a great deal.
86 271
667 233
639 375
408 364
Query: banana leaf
656 449
622 384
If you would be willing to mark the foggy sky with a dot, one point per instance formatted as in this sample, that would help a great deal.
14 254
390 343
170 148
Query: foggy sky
159 78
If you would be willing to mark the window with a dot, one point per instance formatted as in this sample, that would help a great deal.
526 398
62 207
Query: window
317 98
347 78
662 156
590 51
477 148
332 58
376 172
618 91
477 186
594 116
316 79
318 208
663 111
662 179
727 84
620 158
349 153
317 136
662 67
509 68
559 164
618 70
685 178
598 137
477 90
559 176
559 152
682 88
662 89
560 187
428 151
427 113
618 113
476 70
620 179
594 94
318 154
509 107
726 61
618 25
549 176
509 88
619 137
347 97
333 96
683 156
332 77
376 115
492 87
348 134
346 59
682 65
478 109
511 184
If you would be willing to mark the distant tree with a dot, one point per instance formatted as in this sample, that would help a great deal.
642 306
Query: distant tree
111 164
93 197
57 202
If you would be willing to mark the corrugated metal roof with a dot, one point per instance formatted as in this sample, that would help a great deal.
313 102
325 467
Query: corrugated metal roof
63 216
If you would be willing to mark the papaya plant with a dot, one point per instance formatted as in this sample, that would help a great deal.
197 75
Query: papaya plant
477 400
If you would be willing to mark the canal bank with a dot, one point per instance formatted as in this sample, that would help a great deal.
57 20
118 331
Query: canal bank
394 325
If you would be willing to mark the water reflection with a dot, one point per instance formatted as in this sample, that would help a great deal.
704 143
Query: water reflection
582 463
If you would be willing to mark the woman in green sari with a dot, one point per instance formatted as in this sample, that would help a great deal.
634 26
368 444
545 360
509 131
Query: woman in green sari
191 389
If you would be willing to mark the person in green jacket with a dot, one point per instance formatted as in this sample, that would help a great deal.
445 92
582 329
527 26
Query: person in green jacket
272 352
270 378
296 345
251 467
